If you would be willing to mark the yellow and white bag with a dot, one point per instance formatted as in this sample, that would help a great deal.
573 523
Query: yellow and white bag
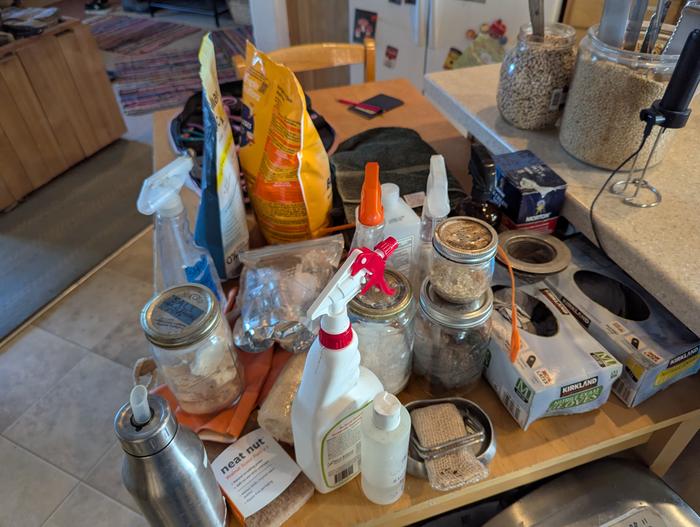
282 157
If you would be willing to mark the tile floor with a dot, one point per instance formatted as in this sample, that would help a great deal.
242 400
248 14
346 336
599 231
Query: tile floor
62 380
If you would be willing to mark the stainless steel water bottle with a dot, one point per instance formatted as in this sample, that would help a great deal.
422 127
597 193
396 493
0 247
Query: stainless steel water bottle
165 466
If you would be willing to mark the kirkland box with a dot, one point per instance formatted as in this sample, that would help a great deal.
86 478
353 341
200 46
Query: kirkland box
560 369
655 348
527 189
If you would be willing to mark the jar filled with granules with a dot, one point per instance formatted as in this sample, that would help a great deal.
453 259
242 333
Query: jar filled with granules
535 76
463 259
192 344
451 341
610 87
384 327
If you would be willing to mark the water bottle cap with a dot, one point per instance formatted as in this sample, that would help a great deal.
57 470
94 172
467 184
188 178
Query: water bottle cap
142 440
386 411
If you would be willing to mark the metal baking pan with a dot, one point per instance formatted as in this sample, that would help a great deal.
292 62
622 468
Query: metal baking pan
484 451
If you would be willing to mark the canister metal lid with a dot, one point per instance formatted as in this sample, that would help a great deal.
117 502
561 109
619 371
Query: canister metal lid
465 240
376 305
180 316
148 439
458 316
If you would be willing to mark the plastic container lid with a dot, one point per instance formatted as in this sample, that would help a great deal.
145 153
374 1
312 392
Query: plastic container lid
180 316
371 211
467 240
386 411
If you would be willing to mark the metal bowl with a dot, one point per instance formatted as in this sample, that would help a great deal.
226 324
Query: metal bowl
484 451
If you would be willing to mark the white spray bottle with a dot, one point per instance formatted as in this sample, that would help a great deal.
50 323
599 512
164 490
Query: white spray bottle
176 258
327 409
436 207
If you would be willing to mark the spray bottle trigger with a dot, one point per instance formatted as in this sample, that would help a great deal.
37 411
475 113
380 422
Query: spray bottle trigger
374 263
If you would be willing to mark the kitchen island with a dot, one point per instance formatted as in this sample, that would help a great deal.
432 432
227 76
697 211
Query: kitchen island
659 247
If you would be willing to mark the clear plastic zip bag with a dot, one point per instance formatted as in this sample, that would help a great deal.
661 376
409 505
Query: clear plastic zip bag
278 285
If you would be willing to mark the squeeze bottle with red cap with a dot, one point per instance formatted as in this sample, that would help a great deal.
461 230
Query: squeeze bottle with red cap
369 216
327 409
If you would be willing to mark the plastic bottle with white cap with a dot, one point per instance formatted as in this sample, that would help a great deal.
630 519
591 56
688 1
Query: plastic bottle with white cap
402 223
386 428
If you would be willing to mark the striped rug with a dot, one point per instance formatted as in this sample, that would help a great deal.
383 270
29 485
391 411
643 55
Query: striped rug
166 80
135 35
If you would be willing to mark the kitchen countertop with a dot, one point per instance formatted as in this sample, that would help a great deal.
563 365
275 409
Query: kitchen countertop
659 247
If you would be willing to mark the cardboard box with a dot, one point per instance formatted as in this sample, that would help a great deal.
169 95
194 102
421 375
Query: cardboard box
526 188
542 226
655 347
560 369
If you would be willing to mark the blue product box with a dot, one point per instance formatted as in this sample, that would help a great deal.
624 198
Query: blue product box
526 188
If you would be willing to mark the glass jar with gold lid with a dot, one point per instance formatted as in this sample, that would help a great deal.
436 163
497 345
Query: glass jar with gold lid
463 260
192 344
384 327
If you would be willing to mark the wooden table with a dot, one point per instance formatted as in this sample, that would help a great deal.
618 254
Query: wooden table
661 426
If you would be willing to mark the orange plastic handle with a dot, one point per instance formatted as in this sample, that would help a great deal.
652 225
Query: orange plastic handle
515 333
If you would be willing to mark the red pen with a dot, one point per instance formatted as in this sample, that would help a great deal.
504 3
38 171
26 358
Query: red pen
361 106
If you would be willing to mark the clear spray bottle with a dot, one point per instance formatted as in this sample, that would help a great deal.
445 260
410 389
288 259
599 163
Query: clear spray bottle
435 209
176 258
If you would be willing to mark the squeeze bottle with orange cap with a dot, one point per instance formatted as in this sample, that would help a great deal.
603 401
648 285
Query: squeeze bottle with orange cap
327 409
369 216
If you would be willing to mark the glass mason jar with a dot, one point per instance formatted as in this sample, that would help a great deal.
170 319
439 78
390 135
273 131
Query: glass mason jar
601 124
535 77
451 342
463 260
384 327
192 344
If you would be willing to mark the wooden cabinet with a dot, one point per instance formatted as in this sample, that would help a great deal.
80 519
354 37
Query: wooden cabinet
57 107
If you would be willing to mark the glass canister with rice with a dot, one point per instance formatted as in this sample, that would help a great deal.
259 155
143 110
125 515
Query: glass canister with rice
535 76
610 86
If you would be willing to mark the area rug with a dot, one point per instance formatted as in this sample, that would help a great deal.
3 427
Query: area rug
128 35
166 80
67 227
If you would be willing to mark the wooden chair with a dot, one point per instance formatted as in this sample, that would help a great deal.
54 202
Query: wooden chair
310 57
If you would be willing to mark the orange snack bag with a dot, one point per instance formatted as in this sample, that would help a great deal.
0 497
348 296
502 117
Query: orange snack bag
282 156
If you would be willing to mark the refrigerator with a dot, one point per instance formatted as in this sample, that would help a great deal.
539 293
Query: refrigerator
416 37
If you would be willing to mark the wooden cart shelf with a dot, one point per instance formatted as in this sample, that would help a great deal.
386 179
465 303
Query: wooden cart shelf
57 107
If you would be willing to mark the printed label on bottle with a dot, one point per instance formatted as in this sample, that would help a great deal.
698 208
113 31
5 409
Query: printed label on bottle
200 273
557 99
401 259
340 450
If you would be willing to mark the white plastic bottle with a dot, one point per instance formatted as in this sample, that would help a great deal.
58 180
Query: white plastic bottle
402 223
436 207
176 258
326 412
386 428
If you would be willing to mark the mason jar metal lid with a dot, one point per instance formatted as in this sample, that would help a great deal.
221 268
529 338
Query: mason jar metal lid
180 316
376 305
458 316
465 240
